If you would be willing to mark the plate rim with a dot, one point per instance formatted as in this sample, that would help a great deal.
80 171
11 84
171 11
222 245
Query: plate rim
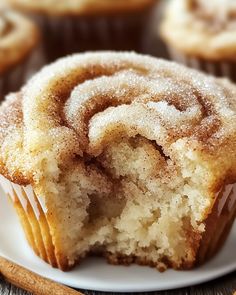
212 276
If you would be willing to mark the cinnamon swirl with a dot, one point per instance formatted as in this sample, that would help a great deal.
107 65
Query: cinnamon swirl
121 155
18 39
202 34
81 25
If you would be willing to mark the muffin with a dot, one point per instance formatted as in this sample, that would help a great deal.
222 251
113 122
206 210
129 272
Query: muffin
18 40
202 34
82 25
121 155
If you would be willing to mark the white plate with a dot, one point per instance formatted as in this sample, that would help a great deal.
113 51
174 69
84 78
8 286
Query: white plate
95 274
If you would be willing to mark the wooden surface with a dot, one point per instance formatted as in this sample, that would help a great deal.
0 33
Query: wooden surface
223 286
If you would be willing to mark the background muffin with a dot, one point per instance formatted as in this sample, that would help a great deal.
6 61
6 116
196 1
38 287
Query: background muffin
137 161
202 34
80 25
19 38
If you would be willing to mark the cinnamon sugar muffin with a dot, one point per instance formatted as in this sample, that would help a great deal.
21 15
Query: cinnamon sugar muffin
121 155
202 34
82 25
18 40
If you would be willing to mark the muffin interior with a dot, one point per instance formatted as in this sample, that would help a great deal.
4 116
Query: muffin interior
132 202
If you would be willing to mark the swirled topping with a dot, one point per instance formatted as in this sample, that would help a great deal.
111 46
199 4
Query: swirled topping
82 6
81 104
18 37
5 26
187 25
220 14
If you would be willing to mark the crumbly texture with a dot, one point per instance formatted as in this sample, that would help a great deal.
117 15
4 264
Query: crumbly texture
81 7
18 37
187 25
127 152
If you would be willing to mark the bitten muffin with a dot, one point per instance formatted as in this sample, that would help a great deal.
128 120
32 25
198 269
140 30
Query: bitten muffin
18 39
82 25
202 34
121 155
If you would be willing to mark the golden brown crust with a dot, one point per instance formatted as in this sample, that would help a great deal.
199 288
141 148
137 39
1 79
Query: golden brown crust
81 7
11 114
18 37
118 259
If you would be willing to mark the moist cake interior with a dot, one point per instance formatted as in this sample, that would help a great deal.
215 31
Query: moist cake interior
132 203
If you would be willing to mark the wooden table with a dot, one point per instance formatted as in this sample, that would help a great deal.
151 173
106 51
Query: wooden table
223 286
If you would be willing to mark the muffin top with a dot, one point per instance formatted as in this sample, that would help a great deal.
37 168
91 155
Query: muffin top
18 36
204 29
81 7
75 107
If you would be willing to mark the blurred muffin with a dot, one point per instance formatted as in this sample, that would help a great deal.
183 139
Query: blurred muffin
121 155
18 40
81 25
202 34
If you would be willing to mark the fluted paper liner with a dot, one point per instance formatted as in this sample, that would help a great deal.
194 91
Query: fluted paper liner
225 69
33 218
65 35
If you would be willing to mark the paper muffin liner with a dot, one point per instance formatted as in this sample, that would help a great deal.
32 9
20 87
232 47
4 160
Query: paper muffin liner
225 69
16 77
218 224
32 213
65 35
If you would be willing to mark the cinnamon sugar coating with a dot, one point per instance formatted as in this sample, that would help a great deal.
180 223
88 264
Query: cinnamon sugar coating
18 37
187 25
72 102
124 149
217 11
